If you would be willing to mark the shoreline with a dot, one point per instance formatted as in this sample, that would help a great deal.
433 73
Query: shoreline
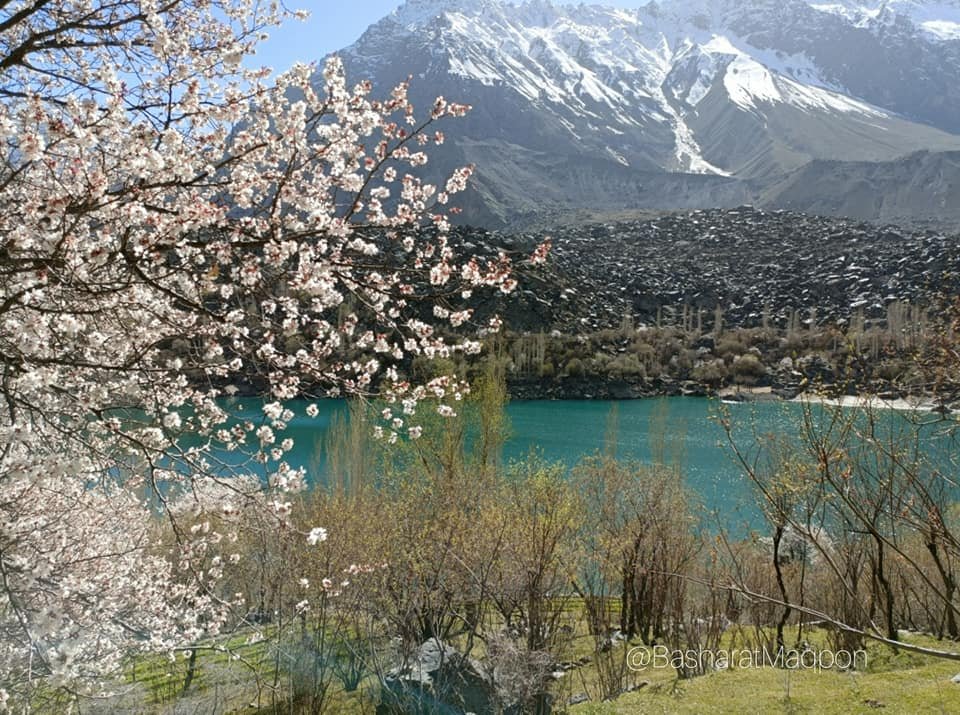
926 403
743 394
584 389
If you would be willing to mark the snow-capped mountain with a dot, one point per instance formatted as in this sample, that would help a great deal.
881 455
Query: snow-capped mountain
941 20
609 108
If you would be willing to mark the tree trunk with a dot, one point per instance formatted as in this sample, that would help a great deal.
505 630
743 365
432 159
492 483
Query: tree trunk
777 538
949 588
887 592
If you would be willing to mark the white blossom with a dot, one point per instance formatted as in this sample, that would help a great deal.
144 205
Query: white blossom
123 175
316 535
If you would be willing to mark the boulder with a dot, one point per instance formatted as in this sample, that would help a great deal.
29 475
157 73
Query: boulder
436 678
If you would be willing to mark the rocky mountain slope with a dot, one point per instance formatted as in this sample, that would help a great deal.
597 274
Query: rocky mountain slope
919 186
756 266
681 104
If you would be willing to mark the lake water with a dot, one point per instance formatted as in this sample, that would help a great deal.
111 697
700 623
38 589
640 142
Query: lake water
680 431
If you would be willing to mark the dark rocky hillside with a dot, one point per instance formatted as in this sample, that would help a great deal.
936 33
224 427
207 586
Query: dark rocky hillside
756 266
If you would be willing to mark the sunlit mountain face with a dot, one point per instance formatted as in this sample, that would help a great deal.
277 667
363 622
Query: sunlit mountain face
683 104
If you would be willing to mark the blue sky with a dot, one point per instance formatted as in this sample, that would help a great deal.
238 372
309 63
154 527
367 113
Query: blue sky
334 24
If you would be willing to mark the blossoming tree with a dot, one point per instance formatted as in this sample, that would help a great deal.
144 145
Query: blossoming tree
173 225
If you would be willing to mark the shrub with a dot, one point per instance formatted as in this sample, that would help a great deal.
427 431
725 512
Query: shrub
747 368
575 368
624 366
712 372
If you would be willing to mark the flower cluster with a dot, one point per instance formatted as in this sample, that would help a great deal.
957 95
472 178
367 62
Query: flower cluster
173 225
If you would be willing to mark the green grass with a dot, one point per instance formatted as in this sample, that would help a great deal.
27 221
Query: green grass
163 677
225 681
901 683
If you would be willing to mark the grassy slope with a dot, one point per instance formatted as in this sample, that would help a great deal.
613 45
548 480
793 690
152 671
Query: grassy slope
902 683
892 683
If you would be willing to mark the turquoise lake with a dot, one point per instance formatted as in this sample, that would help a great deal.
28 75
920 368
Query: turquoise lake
680 431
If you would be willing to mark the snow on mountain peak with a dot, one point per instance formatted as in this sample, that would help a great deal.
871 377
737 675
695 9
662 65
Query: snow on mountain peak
647 87
586 54
938 17
940 20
